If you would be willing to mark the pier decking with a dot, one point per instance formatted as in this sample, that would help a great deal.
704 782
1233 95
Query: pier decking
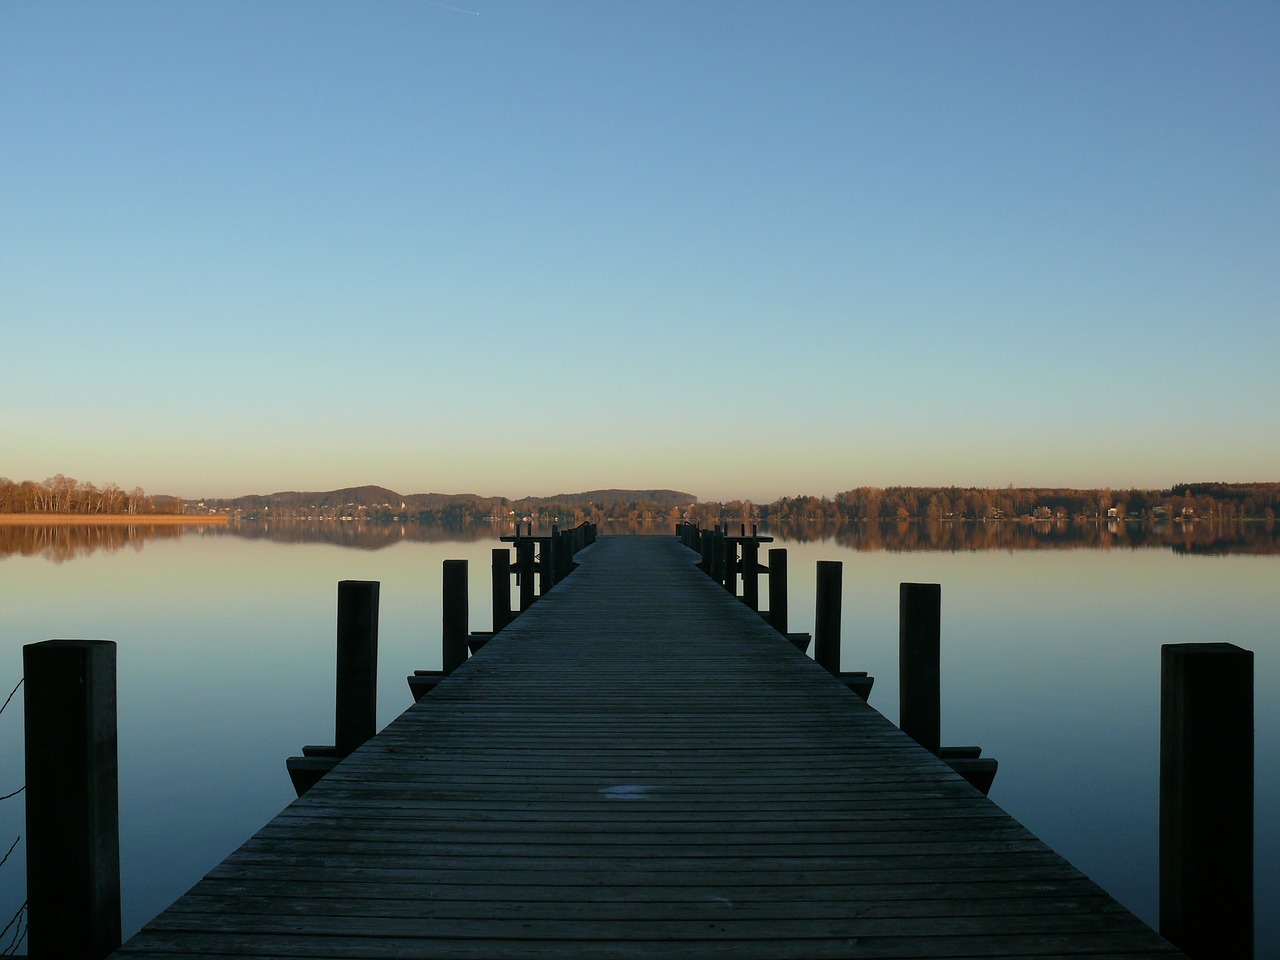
640 767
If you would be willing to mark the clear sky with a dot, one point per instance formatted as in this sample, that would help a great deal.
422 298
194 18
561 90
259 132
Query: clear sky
742 249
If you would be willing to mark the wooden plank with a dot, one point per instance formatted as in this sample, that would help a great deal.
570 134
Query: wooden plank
638 767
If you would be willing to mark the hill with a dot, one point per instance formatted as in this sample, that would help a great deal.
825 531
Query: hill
381 502
663 498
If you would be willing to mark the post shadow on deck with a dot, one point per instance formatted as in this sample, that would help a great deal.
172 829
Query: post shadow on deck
1206 799
72 802
356 694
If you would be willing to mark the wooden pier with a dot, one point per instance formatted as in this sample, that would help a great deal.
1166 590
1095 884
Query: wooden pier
639 766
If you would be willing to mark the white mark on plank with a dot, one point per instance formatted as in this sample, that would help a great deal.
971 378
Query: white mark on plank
627 791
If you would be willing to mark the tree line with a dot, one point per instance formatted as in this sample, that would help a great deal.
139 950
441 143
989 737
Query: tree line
62 494
1185 501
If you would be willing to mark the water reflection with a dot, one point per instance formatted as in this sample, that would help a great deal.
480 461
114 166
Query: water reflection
1051 664
62 543
1202 537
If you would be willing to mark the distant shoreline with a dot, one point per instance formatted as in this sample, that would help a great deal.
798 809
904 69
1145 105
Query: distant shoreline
111 520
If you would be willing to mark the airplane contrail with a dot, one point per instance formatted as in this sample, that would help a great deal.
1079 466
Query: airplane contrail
445 6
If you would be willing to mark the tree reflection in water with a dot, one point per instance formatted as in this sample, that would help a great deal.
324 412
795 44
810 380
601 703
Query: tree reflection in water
66 542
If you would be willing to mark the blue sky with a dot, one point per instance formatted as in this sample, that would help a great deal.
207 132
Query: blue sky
741 249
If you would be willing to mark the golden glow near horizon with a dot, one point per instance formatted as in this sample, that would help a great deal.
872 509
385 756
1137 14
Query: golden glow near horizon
544 250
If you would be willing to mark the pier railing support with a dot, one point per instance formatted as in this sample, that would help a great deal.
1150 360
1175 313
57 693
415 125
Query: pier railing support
356 714
919 671
546 567
501 588
73 813
524 573
730 567
751 574
778 589
356 690
1206 799
826 617
455 620
920 683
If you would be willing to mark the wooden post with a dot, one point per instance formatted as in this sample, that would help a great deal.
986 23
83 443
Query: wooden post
73 812
778 589
546 576
524 572
751 574
501 588
455 621
356 703
706 545
554 554
717 557
826 615
730 569
1206 799
919 670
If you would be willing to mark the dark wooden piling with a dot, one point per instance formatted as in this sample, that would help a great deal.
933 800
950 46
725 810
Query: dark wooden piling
356 697
826 617
501 588
751 574
356 702
553 558
919 670
778 589
455 624
546 568
524 573
706 546
1206 799
73 820
730 568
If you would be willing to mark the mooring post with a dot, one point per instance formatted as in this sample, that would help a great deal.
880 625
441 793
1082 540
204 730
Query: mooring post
919 669
73 813
730 569
501 588
751 574
706 546
524 572
826 616
554 554
546 575
778 589
356 703
1206 799
455 621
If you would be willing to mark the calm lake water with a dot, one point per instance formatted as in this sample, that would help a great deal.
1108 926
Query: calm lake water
1051 662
